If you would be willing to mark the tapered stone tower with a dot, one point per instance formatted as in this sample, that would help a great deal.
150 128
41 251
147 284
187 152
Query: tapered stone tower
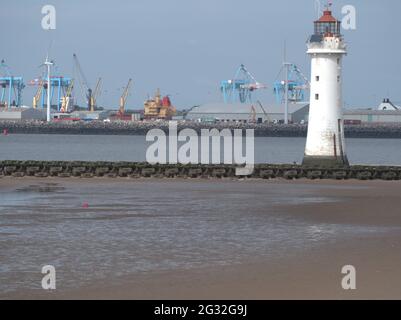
325 141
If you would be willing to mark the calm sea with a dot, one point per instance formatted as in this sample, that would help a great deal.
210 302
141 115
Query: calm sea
133 148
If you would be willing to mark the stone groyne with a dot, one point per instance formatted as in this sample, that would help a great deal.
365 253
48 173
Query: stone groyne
64 169
142 128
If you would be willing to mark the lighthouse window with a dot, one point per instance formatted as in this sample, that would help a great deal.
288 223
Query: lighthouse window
317 78
338 60
338 78
316 96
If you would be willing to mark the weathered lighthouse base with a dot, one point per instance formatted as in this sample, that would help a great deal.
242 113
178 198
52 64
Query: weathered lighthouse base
325 162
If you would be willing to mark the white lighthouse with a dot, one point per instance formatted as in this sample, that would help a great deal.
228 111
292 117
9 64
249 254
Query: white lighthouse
325 141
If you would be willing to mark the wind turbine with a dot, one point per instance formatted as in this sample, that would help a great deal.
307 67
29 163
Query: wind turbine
286 66
48 65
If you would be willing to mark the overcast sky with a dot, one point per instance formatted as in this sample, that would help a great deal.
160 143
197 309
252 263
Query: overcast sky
186 47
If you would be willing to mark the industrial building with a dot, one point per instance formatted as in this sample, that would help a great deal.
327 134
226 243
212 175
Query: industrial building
247 113
357 116
81 115
386 112
18 114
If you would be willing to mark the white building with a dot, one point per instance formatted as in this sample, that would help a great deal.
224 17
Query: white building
388 105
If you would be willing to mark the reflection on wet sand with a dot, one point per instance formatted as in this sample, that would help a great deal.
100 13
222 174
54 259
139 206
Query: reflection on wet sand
99 231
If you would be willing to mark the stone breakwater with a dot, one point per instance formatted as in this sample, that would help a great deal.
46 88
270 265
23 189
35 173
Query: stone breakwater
142 128
43 169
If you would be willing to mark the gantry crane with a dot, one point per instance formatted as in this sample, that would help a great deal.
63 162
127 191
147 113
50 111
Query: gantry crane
295 82
59 85
241 87
123 98
88 94
15 86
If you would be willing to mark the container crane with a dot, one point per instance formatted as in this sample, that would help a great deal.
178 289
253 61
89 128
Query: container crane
298 85
123 98
15 86
241 87
58 87
86 90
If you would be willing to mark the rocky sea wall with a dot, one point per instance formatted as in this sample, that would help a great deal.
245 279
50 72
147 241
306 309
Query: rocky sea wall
71 169
142 128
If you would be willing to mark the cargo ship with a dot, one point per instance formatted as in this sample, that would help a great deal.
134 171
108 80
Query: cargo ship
159 108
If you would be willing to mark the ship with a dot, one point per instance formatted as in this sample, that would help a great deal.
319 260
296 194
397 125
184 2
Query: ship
159 108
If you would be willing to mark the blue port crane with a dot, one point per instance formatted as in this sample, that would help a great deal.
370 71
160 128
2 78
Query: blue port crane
11 87
240 88
298 85
59 86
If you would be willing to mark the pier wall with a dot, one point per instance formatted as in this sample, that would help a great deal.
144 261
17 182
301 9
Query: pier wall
71 169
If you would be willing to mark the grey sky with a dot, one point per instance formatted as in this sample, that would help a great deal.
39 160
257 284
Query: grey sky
186 47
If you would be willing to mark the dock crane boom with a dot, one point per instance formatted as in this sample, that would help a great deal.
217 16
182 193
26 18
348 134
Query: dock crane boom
6 68
38 93
86 90
123 98
96 94
70 88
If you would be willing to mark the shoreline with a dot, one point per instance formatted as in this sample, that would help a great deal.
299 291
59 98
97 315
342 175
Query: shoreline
313 273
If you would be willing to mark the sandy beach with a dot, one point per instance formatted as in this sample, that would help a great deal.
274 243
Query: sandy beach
313 272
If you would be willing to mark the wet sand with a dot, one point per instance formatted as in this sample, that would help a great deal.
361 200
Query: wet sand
313 273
